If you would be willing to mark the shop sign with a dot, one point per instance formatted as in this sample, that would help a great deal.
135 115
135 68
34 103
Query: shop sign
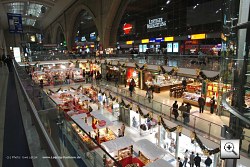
152 40
156 22
145 41
175 47
159 39
168 38
127 28
198 36
129 42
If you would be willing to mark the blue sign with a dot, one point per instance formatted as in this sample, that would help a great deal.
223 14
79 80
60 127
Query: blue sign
152 40
159 40
15 23
92 36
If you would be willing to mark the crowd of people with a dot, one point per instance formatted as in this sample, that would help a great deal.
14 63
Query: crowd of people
192 160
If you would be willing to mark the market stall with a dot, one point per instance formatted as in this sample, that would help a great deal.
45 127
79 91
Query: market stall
77 75
148 152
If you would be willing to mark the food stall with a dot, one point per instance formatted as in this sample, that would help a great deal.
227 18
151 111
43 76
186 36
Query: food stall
148 152
77 75
40 75
100 124
119 148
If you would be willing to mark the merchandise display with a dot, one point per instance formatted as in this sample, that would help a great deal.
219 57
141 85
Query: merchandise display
191 98
77 75
194 87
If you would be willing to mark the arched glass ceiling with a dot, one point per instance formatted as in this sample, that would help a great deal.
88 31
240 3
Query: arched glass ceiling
30 12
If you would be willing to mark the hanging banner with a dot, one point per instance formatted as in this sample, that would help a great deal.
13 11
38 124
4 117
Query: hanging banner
15 23
204 87
157 23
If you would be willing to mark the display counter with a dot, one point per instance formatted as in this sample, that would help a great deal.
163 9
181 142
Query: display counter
194 87
191 98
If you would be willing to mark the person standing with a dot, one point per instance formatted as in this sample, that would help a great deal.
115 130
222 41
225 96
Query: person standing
185 158
183 110
191 159
212 104
131 86
197 160
123 129
208 161
188 107
175 110
201 102
119 133
178 162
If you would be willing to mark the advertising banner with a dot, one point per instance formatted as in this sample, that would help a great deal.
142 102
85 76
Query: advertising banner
175 47
169 47
15 23
157 23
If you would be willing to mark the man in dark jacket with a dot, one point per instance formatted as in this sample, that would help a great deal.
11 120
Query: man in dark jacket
208 162
197 160
201 102
175 110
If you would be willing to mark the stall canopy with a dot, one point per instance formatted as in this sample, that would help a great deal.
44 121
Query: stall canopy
149 149
97 114
159 163
83 125
117 144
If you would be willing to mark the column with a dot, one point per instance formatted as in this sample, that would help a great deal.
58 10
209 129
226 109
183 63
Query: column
177 144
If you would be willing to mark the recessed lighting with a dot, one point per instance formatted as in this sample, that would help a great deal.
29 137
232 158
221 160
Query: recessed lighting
168 2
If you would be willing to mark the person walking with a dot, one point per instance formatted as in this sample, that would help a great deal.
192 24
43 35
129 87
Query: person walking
123 129
185 158
197 160
188 111
149 95
191 159
208 161
119 133
212 104
131 86
201 102
183 110
178 162
175 110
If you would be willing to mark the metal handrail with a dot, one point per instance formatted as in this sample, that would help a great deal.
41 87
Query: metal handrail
167 106
37 119
231 109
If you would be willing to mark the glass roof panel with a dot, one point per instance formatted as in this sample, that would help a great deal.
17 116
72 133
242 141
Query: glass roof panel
29 11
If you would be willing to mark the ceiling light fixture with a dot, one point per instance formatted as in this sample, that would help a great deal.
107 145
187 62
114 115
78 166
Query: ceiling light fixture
168 2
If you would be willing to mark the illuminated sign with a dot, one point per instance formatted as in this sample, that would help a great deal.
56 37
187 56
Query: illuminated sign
127 28
33 38
156 22
169 47
159 39
198 36
92 46
168 38
129 42
92 36
83 39
152 40
17 54
175 47
145 41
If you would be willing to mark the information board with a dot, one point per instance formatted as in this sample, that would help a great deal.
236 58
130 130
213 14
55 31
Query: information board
15 23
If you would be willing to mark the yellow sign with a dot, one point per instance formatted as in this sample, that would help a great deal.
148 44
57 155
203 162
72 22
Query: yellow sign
145 41
169 39
92 46
198 36
129 42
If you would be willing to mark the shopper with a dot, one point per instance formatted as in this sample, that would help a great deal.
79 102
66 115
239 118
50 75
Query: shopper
123 129
119 133
182 109
149 95
188 111
185 158
212 104
179 163
191 159
175 110
131 86
184 84
197 160
201 102
208 161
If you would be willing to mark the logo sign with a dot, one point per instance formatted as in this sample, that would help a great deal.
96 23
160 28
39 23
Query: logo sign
92 36
230 149
157 22
15 23
83 39
127 28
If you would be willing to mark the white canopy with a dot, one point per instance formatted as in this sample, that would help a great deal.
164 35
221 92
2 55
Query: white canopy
79 116
159 163
83 125
99 116
117 144
149 149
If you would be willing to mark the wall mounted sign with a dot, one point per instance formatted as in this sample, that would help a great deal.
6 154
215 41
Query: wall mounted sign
15 23
156 23
175 47
127 28
169 47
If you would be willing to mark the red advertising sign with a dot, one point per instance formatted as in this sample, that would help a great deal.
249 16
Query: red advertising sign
127 28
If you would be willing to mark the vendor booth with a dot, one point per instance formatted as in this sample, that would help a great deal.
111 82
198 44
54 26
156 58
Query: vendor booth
148 152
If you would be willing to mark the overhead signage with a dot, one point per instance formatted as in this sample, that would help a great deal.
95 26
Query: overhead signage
168 38
175 47
198 36
15 23
92 36
127 28
159 39
83 39
145 41
152 40
169 47
129 42
157 22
